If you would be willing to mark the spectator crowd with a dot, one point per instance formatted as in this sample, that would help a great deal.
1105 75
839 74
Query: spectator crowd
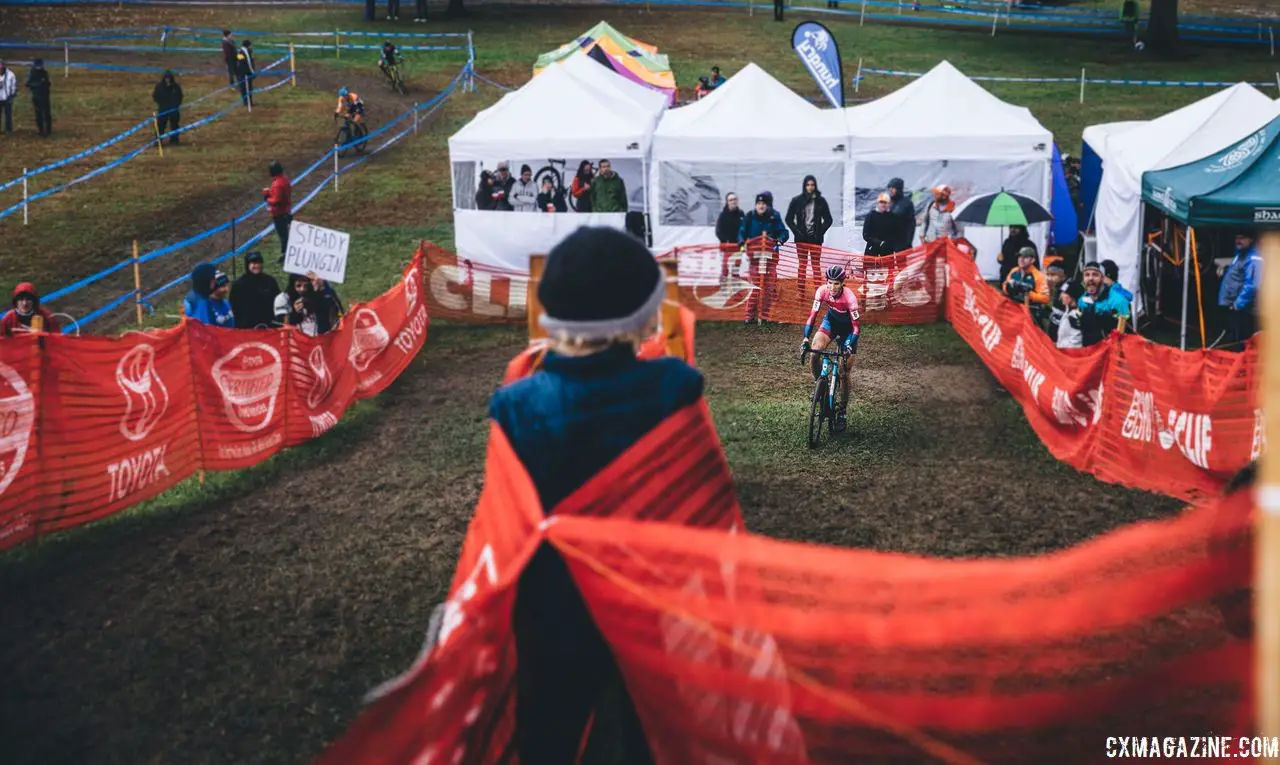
601 191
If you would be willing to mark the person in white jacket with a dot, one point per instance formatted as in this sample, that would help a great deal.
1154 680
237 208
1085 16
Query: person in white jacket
524 193
8 92
939 220
1069 333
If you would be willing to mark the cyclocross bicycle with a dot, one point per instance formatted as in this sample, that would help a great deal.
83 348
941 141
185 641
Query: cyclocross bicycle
825 405
350 131
392 73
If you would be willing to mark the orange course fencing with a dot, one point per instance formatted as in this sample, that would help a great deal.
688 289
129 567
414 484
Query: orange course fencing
737 648
1126 410
92 425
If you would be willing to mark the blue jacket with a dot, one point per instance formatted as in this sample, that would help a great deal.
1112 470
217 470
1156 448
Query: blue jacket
753 226
1239 289
574 416
209 310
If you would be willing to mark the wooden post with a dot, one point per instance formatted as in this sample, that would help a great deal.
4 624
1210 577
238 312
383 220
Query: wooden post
155 123
995 19
66 57
1195 264
670 314
24 196
137 282
1266 639
293 68
337 44
537 264
1082 85
862 17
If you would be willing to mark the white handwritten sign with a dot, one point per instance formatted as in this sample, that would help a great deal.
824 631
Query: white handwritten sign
316 250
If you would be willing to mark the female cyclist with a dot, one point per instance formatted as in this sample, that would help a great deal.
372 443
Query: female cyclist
839 323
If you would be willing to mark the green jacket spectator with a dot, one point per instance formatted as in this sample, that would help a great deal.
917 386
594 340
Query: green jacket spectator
608 192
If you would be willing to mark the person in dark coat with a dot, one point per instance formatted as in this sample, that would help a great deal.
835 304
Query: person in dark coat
253 295
879 228
39 84
777 9
763 221
229 50
808 217
168 98
485 191
550 199
903 210
1008 257
727 227
245 72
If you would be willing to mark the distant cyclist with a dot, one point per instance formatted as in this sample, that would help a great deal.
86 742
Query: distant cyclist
840 323
390 57
349 104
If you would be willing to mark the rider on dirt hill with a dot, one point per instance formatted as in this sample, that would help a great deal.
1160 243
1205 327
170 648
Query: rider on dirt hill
841 322
349 103
390 57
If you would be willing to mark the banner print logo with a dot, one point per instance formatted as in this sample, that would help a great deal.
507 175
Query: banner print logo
1239 154
146 398
17 418
249 379
820 54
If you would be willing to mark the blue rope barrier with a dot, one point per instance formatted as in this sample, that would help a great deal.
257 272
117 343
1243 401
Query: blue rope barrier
1076 80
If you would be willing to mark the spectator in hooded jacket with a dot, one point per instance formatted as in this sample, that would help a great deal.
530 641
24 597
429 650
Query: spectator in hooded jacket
608 192
298 306
551 199
763 221
938 221
879 228
485 192
39 84
207 301
1238 293
1100 308
903 210
279 196
329 307
27 314
1008 257
808 217
580 189
253 295
168 98
229 51
524 192
728 224
1110 275
8 92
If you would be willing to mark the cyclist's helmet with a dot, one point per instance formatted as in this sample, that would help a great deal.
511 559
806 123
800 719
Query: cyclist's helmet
342 92
835 274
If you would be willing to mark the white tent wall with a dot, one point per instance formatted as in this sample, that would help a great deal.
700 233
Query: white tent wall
749 135
611 120
1185 135
982 145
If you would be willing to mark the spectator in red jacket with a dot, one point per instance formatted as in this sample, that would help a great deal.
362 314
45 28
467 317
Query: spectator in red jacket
279 196
581 186
27 315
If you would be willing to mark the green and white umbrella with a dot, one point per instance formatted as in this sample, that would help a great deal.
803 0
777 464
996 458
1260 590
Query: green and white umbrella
1003 208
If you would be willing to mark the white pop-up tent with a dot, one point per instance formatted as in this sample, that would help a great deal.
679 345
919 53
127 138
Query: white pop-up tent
1185 135
945 128
564 115
751 134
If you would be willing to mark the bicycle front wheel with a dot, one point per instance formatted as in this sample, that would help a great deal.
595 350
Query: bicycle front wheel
817 412
397 81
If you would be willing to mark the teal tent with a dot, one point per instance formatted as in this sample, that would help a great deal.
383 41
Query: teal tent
1237 187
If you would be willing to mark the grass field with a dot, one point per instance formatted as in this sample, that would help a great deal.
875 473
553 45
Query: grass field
241 621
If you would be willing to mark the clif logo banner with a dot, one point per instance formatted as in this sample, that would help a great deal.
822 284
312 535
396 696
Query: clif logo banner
123 419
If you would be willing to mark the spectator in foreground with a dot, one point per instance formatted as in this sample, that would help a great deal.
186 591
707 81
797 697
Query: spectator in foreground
589 403
551 199
1100 308
1068 334
1238 293
298 306
763 221
168 98
229 51
245 72
903 209
524 193
608 192
279 197
207 301
1013 244
879 228
253 295
938 221
39 84
27 314
580 189
808 217
8 92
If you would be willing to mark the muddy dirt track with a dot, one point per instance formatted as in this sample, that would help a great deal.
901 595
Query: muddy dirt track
246 630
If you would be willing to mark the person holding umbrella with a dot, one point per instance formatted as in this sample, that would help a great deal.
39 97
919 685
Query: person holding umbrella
1005 208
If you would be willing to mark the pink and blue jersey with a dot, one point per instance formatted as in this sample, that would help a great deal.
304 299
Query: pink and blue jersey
841 319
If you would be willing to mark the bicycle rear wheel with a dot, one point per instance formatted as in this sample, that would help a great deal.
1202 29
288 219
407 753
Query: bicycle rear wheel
360 132
834 407
341 139
817 411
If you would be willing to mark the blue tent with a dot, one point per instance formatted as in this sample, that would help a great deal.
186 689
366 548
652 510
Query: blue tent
1066 228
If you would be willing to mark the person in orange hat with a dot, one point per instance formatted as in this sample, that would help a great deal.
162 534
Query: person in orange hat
939 221
27 315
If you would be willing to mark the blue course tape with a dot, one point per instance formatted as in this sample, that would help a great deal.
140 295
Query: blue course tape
428 107
1142 83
